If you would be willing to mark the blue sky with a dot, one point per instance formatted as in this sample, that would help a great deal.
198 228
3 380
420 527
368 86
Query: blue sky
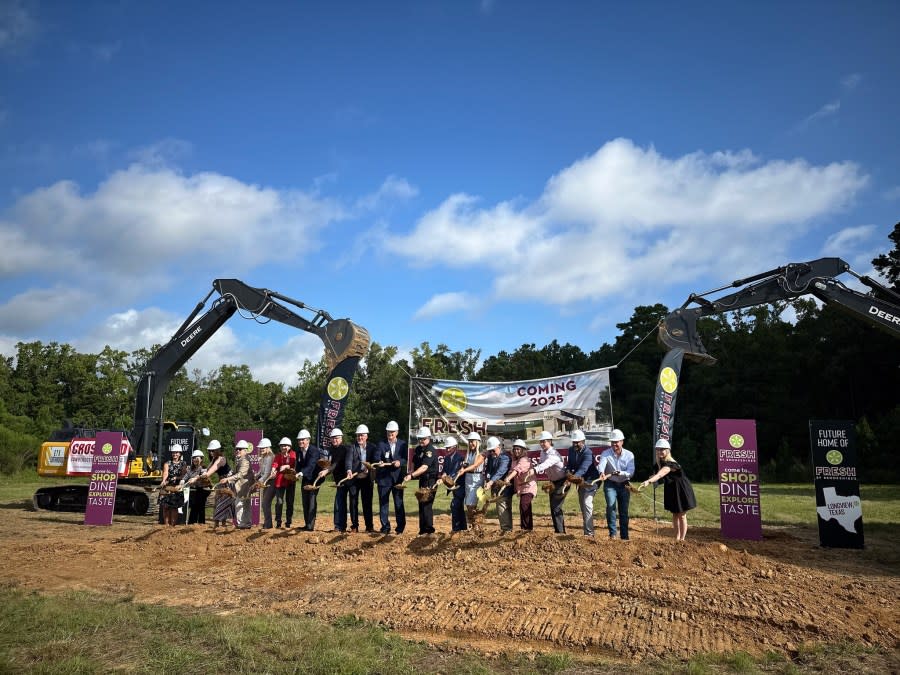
480 174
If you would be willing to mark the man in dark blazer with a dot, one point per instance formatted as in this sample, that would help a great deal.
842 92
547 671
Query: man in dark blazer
394 451
307 466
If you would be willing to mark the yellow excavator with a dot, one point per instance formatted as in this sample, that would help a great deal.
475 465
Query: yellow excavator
145 446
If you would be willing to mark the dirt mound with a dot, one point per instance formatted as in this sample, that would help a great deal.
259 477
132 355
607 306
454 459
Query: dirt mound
633 600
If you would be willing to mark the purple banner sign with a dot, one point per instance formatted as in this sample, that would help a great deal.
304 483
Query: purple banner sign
253 437
736 450
101 499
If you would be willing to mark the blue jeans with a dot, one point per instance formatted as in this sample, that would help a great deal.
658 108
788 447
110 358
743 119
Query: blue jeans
384 496
616 494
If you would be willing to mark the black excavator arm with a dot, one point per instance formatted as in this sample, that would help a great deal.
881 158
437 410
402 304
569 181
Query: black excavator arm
816 278
343 340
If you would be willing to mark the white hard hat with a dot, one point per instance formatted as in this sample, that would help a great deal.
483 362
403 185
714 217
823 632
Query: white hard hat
577 435
196 453
473 436
335 433
176 448
545 436
285 441
450 442
423 432
303 434
265 443
663 443
214 445
492 443
392 426
241 445
362 429
617 435
519 443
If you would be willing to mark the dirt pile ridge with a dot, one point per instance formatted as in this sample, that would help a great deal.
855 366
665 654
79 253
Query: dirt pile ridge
649 597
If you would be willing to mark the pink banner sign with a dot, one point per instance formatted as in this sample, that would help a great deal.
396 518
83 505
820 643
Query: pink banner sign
101 499
253 437
738 461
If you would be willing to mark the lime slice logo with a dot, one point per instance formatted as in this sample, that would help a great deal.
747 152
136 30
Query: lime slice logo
834 457
106 449
338 388
453 400
668 380
736 440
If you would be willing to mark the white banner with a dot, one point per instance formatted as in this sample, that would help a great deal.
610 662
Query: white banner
81 453
584 398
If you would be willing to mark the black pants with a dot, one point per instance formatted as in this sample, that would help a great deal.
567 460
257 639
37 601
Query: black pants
426 509
268 494
556 501
197 506
363 493
308 497
285 496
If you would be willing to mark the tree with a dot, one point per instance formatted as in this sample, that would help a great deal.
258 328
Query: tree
889 263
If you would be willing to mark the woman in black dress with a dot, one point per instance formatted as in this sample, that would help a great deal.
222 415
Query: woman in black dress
678 494
173 480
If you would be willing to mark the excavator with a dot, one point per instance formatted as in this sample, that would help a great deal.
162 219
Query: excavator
145 446
678 330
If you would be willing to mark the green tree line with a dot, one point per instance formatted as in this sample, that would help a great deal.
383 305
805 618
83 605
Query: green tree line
824 365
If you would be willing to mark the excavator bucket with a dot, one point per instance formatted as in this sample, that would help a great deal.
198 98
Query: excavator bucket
344 339
679 329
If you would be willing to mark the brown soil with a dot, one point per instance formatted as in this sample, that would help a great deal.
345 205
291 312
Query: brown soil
650 597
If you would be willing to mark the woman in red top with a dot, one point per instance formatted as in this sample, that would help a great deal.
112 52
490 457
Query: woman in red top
285 481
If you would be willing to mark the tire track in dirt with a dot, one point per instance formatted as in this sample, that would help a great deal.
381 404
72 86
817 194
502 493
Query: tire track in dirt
633 600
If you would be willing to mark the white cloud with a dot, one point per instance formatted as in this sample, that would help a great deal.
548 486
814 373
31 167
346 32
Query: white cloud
828 110
444 303
617 221
17 26
137 329
851 81
457 233
393 189
841 243
36 307
892 194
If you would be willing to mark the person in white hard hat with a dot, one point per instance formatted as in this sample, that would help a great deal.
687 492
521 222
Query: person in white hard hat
392 451
496 468
285 482
361 486
307 466
473 471
581 466
425 468
552 465
522 475
223 506
338 469
198 491
678 493
242 481
267 478
173 476
454 456
617 468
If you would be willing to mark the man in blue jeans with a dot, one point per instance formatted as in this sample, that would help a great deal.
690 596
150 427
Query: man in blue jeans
617 468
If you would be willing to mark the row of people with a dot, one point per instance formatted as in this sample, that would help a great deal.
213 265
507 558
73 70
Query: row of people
359 467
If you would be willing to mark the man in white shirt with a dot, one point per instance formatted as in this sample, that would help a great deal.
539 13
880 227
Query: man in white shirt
616 469
552 464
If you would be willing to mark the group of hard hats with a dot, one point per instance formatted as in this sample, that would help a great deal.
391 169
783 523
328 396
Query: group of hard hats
363 429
